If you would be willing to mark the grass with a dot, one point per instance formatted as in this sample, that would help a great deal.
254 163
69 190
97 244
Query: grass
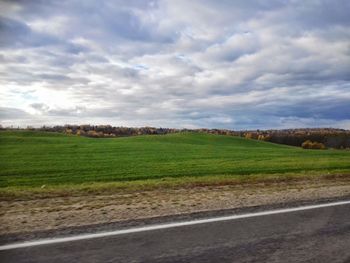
48 162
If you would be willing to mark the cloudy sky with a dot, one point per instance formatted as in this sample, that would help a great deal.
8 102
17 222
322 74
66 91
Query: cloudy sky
201 63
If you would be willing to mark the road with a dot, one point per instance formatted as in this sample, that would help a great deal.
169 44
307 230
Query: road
314 235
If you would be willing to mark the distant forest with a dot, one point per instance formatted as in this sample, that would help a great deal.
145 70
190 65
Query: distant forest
317 138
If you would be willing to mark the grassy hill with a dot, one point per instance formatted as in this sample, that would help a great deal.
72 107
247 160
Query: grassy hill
33 159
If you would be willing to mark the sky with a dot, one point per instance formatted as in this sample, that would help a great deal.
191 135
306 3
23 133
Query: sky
181 64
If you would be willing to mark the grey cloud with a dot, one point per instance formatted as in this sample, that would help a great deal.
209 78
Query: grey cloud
225 64
15 34
39 106
7 113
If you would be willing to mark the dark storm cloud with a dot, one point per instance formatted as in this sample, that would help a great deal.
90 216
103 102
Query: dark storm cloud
226 64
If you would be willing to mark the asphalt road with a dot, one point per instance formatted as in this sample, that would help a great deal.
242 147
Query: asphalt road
317 235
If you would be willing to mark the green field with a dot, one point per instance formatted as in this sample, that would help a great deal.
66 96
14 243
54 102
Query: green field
33 159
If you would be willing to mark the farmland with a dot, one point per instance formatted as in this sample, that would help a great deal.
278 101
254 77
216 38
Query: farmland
42 159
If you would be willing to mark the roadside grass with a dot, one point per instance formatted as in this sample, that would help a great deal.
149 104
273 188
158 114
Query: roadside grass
108 188
41 164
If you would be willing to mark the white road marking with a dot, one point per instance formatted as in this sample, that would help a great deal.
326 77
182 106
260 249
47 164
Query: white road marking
164 226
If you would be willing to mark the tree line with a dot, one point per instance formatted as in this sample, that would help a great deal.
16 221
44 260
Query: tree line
317 138
309 138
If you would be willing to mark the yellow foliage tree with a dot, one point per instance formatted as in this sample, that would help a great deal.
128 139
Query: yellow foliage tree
313 145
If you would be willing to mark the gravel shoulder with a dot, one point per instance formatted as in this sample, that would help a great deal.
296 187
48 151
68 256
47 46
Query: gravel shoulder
25 218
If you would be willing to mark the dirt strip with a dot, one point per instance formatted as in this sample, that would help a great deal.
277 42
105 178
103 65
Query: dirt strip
63 212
